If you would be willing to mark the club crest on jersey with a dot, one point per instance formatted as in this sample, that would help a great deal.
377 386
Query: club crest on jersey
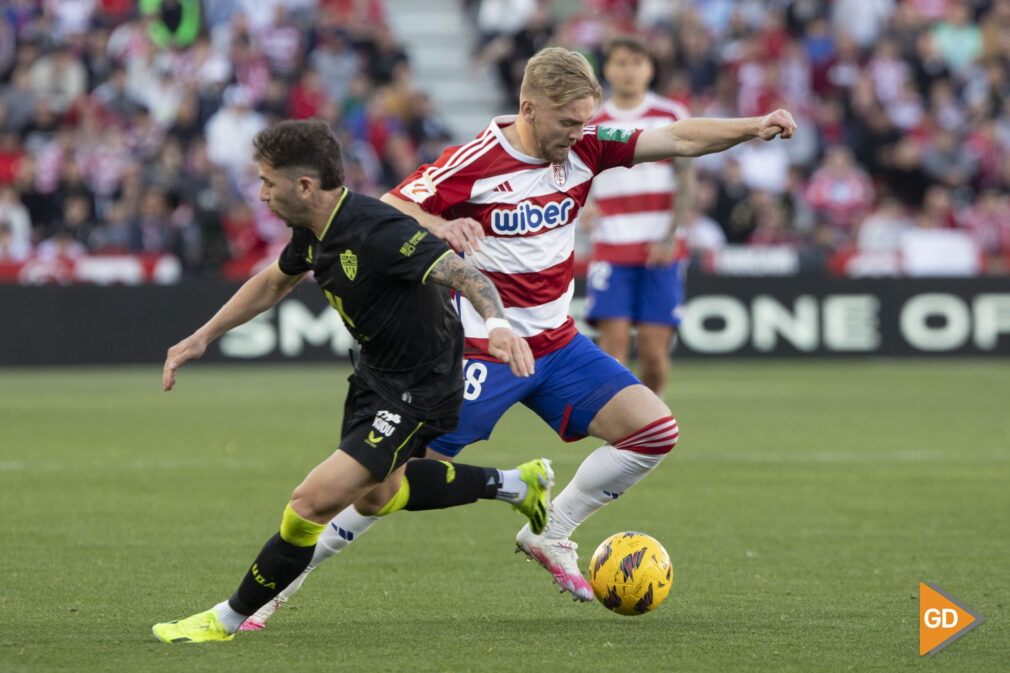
349 261
560 174
530 218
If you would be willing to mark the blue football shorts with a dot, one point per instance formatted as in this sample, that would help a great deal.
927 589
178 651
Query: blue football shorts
640 294
568 389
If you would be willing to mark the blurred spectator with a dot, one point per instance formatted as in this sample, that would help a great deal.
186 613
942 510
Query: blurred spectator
996 31
58 77
18 100
947 160
17 221
958 40
11 156
929 65
152 231
882 229
988 223
12 249
77 221
281 42
861 20
839 190
702 234
384 56
427 131
336 62
307 98
61 245
733 208
113 96
773 226
245 244
114 236
903 175
70 17
231 129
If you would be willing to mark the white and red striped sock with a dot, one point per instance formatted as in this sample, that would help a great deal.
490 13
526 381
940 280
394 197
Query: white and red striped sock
608 472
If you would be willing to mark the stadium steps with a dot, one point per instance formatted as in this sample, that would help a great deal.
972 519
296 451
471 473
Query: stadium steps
440 42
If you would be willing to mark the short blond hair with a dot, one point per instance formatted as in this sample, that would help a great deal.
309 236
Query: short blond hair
560 76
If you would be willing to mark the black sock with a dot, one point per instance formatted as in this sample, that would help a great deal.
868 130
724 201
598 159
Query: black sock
435 484
277 565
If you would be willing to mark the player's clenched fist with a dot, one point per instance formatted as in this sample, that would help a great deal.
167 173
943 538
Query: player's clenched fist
779 122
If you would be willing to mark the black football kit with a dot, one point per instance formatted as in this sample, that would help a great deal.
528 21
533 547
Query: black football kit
372 262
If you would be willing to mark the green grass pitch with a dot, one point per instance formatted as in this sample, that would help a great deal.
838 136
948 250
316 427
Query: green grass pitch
804 504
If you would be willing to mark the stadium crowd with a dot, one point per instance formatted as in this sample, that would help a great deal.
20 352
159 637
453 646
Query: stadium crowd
126 126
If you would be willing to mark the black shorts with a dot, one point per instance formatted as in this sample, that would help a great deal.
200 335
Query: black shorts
382 434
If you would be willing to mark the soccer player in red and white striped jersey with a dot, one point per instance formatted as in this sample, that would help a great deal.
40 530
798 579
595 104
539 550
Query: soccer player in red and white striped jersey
509 200
634 275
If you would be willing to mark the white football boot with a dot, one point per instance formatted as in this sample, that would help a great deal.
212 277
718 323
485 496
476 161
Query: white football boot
560 559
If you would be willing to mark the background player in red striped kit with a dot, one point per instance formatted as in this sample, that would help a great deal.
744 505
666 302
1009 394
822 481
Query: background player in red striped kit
510 200
634 276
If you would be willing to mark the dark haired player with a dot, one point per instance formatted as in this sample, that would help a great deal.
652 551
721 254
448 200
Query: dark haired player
634 277
387 277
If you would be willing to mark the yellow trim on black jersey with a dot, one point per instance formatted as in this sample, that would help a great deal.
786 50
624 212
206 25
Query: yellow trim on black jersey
333 214
397 452
424 278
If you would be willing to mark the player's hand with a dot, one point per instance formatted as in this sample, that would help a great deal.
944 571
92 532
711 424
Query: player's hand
190 348
463 235
777 123
511 349
661 253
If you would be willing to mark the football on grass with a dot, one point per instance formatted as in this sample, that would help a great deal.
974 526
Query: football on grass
630 573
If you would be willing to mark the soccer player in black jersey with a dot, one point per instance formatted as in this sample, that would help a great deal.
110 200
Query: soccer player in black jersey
388 278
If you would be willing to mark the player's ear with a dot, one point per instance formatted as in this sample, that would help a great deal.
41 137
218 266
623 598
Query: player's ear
526 109
305 186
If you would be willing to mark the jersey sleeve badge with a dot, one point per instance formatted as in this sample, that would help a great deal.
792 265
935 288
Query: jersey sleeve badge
612 134
419 190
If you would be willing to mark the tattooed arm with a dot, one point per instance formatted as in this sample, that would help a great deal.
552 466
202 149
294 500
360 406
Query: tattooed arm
504 344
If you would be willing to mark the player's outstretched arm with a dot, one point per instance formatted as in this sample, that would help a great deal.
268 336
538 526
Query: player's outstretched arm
504 344
256 295
694 137
463 235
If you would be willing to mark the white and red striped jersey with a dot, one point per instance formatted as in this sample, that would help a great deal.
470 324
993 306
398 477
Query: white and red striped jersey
528 209
634 206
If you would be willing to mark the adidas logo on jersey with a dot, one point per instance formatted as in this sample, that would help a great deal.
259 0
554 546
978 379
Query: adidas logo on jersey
529 217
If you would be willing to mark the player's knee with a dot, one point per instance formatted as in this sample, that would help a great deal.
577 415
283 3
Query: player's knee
312 506
654 359
655 439
375 500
